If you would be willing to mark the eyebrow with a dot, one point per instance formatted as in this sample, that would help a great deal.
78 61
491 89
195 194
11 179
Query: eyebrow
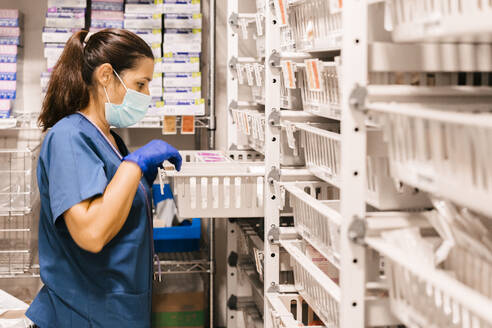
147 78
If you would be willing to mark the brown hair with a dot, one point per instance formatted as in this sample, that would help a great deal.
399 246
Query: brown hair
68 89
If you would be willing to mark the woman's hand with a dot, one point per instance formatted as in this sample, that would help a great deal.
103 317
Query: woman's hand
152 155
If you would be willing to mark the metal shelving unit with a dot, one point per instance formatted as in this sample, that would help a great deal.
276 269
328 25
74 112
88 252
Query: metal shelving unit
392 147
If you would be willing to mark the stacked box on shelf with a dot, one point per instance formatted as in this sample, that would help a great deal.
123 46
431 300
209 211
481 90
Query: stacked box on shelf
144 18
63 18
106 14
146 15
10 39
181 61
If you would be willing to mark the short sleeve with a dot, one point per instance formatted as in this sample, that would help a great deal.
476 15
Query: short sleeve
75 171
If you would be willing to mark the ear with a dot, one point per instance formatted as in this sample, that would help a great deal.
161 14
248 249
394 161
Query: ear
104 74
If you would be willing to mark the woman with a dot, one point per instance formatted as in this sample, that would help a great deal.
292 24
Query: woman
95 229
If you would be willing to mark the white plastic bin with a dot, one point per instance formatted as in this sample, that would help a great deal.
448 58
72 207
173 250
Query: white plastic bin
218 190
454 163
322 150
316 288
421 296
440 20
287 311
316 217
326 102
316 25
252 124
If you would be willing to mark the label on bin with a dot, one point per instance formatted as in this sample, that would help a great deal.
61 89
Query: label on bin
249 74
336 6
291 140
244 28
259 24
281 11
240 76
313 74
288 72
258 70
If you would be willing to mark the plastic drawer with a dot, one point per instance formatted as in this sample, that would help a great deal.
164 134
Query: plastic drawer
322 151
326 102
316 25
440 20
316 217
453 164
422 296
218 190
284 307
316 288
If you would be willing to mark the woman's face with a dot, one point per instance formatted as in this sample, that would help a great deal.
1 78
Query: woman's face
137 78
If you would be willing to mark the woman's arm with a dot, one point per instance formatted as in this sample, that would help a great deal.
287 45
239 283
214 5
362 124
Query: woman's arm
94 222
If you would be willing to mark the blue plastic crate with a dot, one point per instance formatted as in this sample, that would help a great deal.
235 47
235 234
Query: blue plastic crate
183 238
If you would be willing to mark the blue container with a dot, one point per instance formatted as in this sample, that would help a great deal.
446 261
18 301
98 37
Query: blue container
183 238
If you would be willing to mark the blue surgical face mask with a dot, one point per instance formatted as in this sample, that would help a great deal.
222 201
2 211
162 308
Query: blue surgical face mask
131 111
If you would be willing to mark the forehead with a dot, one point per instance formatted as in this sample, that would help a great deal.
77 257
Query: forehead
144 68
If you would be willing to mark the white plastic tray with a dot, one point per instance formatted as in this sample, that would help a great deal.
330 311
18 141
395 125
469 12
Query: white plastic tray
454 163
440 20
322 151
319 291
315 25
326 102
421 296
316 217
218 190
252 124
284 318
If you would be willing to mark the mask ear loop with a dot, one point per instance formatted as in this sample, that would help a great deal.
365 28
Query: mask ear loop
120 80
107 97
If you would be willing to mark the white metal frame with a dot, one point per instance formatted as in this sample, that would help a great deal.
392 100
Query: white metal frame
272 156
367 84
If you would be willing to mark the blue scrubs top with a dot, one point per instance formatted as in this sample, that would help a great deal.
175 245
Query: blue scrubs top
82 289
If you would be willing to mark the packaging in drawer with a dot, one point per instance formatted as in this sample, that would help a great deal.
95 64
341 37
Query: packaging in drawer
321 98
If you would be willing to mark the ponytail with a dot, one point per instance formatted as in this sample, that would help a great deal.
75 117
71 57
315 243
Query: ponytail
69 89
67 92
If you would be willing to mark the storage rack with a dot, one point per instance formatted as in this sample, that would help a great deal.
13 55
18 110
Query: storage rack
409 133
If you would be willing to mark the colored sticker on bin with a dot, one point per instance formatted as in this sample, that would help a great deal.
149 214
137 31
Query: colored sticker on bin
288 72
281 10
169 125
336 6
246 124
188 125
313 74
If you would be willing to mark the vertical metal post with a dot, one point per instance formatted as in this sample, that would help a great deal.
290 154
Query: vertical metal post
211 261
232 83
272 154
353 183
211 80
232 272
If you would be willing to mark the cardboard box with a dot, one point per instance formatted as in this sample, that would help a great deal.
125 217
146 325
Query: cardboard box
173 310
